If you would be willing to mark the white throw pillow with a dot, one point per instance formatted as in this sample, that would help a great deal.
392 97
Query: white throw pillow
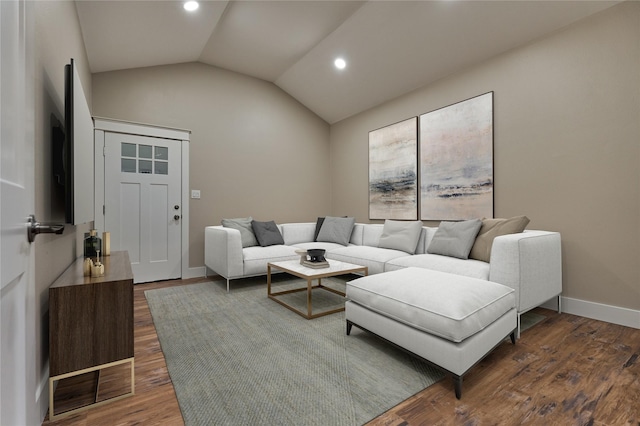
243 225
336 230
401 235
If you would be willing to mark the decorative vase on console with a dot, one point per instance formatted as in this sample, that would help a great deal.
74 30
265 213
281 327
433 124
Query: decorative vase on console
92 245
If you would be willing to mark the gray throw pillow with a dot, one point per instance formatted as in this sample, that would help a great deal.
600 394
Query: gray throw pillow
455 239
492 228
336 230
400 235
246 231
267 233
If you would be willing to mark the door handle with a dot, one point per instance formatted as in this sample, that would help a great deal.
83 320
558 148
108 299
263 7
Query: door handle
34 228
176 217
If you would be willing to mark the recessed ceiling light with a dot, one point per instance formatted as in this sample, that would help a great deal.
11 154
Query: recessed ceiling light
340 63
191 6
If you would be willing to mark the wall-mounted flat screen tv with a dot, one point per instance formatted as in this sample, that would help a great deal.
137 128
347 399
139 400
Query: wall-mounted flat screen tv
78 152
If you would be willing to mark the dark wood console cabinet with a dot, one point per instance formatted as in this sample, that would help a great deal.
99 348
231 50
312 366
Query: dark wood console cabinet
91 325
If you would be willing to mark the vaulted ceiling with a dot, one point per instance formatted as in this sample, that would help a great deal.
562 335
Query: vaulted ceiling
391 47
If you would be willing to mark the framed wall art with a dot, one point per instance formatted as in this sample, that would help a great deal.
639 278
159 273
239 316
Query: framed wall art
393 171
456 161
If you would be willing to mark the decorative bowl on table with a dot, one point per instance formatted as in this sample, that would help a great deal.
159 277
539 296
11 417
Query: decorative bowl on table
316 255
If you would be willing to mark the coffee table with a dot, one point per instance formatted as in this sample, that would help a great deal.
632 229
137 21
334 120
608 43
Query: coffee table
294 267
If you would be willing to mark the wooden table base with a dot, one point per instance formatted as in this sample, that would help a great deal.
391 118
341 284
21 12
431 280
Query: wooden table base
309 288
52 380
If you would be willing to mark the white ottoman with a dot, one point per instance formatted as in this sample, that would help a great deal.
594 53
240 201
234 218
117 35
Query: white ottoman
450 320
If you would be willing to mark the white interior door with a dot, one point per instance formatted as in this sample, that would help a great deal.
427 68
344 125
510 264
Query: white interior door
17 283
142 203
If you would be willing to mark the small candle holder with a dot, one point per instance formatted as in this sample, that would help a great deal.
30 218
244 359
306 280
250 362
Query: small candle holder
97 269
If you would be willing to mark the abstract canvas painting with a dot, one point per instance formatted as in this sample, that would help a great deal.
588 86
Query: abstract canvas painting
393 171
456 161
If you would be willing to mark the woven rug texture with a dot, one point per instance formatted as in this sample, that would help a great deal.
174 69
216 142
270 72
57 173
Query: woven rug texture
239 358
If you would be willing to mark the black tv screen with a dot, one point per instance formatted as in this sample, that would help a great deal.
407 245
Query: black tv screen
79 157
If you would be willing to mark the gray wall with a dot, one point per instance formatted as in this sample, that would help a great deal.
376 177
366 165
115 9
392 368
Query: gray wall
566 146
57 40
254 150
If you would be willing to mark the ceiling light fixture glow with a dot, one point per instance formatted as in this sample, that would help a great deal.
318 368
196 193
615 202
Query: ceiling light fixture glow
191 6
340 63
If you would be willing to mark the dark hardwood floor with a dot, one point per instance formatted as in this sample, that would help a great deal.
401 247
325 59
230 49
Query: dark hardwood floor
566 370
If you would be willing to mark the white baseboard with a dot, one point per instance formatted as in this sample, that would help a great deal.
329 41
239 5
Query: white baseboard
598 311
193 272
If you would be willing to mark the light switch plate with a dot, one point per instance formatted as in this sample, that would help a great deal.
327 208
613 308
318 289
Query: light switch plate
195 193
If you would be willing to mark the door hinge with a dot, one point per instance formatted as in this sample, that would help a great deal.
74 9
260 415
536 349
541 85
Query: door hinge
103 210
104 151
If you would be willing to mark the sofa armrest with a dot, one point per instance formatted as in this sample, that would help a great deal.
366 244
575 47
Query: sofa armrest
530 263
223 251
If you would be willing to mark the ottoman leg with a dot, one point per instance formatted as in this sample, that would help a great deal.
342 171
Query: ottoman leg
457 382
349 325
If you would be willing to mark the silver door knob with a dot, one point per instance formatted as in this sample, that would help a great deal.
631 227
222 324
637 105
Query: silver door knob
34 228
176 217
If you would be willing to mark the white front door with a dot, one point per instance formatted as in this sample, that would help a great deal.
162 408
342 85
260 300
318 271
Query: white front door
17 283
143 203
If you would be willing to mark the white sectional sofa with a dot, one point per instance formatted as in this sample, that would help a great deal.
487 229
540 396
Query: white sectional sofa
529 262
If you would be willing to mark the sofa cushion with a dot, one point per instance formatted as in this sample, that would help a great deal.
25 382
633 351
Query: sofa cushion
371 233
256 258
294 233
357 234
243 225
467 267
455 238
400 235
372 257
446 305
492 228
267 233
336 230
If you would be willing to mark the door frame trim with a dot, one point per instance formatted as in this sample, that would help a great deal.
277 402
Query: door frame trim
107 125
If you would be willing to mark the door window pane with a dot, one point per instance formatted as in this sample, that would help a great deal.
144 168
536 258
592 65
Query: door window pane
162 167
145 166
128 149
157 156
145 151
128 165
162 153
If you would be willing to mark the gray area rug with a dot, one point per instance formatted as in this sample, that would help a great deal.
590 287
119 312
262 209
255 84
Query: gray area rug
239 358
